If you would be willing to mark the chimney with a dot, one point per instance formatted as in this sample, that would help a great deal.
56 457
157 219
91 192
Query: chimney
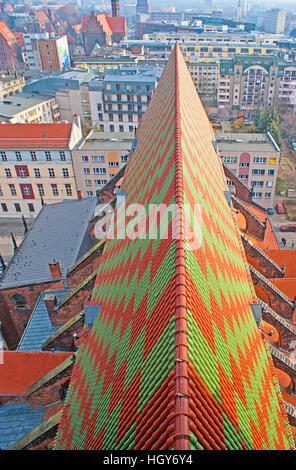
55 269
51 302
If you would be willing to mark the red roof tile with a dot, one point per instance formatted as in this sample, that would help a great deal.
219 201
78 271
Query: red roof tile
287 258
21 369
35 135
117 24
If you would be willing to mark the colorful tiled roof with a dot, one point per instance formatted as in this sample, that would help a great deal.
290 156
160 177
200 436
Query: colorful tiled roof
174 359
53 135
21 369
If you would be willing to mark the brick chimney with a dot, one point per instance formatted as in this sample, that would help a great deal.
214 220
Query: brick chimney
55 269
51 302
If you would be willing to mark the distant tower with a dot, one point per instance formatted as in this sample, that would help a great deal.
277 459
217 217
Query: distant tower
142 6
115 7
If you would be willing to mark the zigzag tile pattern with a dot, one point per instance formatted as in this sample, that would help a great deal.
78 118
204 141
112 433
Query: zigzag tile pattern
175 326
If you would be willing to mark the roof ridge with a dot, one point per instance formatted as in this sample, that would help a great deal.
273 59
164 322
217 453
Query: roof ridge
182 435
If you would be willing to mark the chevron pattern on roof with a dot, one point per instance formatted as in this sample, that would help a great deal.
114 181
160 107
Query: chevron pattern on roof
174 359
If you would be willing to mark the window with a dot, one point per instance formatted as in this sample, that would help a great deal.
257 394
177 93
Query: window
230 159
100 116
1 192
65 173
121 128
100 182
244 165
22 173
8 173
99 106
17 208
99 171
258 172
51 172
86 171
89 193
267 195
3 156
47 155
131 128
269 184
27 190
68 189
117 87
62 155
33 155
18 155
31 207
87 182
98 158
4 207
111 128
37 173
257 195
110 109
40 189
113 163
257 183
272 161
20 302
54 188
130 118
259 160
110 117
270 172
84 158
124 158
12 189
120 117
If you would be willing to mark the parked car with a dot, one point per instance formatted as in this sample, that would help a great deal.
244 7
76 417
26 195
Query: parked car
270 211
288 228
280 208
294 145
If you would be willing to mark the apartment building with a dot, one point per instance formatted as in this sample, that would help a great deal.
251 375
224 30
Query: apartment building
46 51
98 157
126 98
254 159
205 76
251 83
36 166
29 108
274 21
11 84
8 54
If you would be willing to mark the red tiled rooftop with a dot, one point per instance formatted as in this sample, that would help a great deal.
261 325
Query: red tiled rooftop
287 286
35 135
117 24
270 241
287 258
21 369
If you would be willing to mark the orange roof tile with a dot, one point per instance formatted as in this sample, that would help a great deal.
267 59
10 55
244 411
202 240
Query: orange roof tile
270 241
20 369
41 17
117 24
287 258
35 135
287 286
6 32
104 23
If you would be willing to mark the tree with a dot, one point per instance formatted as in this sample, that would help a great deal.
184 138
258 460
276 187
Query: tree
268 121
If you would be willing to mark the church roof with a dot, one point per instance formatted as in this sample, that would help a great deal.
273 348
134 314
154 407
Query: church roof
174 359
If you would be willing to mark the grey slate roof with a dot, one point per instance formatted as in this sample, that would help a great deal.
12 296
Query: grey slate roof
16 421
39 327
59 232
